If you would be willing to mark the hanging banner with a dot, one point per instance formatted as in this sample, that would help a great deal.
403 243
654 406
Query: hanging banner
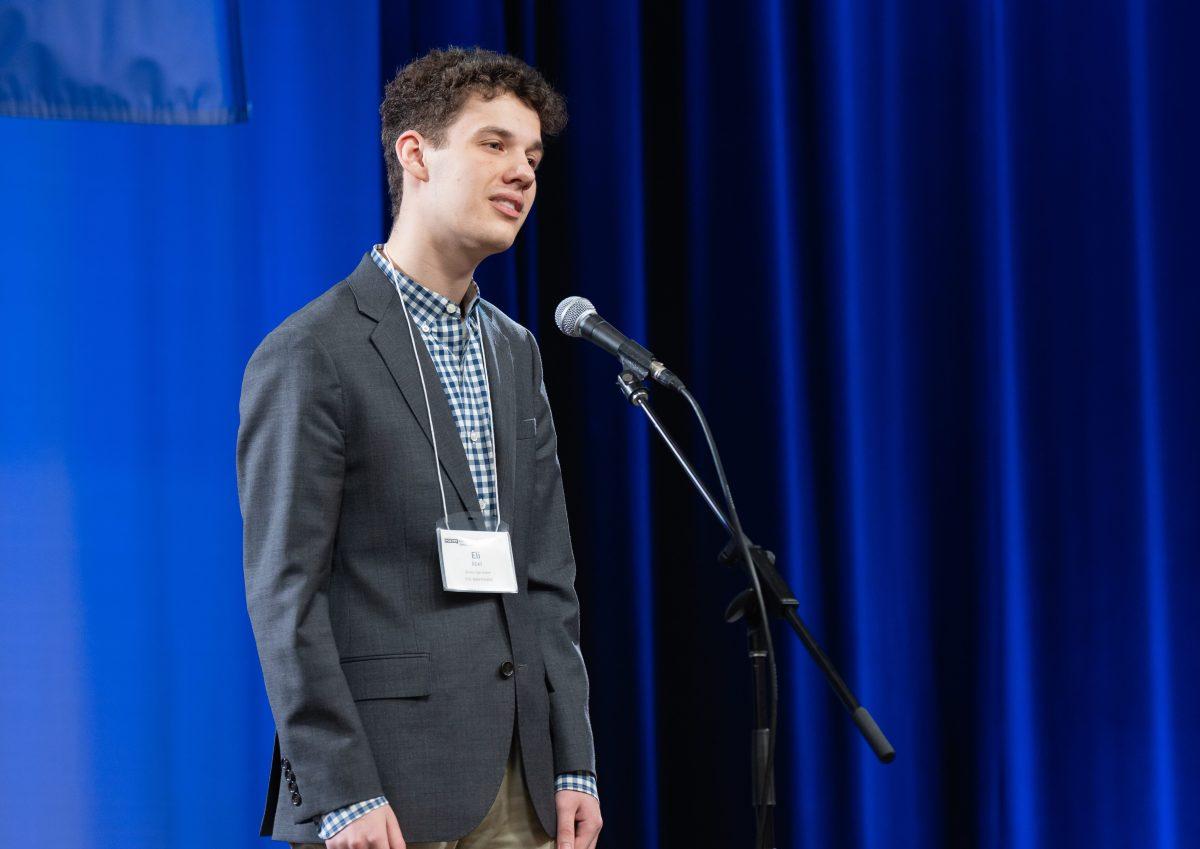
158 62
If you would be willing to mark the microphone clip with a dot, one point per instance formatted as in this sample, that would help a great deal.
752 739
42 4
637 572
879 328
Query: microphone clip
631 385
639 371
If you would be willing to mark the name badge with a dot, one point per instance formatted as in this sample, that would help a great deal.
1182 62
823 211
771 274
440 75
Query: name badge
476 561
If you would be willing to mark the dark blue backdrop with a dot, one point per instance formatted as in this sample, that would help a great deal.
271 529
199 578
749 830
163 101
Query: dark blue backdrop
930 266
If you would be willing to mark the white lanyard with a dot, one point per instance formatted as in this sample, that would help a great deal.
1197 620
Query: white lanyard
429 410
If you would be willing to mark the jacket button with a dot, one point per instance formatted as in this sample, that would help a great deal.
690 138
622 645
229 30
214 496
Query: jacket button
507 669
295 798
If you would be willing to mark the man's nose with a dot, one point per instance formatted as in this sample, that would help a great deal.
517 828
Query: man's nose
522 172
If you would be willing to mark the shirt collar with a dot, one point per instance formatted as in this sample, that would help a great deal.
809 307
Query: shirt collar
426 304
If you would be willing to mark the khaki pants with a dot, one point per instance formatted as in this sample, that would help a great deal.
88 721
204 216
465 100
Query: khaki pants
511 823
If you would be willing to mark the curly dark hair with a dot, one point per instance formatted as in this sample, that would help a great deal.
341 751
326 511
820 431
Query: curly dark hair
428 93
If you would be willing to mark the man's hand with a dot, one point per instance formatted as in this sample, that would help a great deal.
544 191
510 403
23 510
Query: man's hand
376 830
578 819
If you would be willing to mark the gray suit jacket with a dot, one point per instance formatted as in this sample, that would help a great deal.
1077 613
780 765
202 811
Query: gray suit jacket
380 682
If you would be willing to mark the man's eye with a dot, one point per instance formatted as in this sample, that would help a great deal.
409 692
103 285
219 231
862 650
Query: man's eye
493 144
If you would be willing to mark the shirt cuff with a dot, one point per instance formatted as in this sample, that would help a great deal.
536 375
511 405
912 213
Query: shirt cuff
335 821
583 782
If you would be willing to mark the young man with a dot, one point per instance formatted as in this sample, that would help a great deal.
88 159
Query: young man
389 429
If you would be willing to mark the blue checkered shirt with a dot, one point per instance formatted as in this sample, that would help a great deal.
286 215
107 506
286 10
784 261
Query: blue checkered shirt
454 344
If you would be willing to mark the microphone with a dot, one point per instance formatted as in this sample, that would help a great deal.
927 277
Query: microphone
577 316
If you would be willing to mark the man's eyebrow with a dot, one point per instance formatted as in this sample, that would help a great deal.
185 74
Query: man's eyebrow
506 135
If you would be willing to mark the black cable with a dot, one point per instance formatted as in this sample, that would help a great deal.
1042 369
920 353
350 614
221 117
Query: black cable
765 780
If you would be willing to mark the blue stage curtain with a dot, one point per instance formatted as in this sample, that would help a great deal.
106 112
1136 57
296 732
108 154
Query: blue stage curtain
932 270
139 267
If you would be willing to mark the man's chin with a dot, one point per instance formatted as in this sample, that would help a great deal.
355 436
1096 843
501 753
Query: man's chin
499 242
485 242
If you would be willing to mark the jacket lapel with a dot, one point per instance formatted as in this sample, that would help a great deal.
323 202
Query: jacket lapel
377 298
501 371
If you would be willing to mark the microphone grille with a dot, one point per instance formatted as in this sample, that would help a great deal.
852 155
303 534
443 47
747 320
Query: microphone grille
569 311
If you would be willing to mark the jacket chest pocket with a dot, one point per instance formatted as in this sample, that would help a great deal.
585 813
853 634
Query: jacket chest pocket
388 676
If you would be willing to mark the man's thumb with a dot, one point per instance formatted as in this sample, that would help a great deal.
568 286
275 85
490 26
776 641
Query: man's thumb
566 832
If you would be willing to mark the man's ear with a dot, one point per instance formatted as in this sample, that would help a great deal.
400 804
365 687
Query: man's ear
410 151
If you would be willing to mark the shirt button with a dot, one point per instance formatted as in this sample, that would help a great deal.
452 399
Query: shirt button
451 308
424 328
474 436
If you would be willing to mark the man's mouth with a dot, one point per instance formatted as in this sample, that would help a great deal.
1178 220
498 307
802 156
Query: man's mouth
508 205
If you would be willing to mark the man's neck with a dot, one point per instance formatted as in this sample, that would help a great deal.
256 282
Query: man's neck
414 254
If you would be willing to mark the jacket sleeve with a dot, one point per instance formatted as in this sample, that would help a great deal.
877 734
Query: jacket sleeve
290 465
551 573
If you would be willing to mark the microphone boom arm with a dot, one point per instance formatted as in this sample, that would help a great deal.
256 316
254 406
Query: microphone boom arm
781 601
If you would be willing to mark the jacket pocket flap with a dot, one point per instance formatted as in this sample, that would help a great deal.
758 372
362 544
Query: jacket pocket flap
388 676
527 429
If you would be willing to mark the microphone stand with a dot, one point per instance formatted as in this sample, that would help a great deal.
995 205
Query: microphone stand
780 602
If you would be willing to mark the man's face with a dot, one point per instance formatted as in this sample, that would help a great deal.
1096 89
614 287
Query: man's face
481 181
